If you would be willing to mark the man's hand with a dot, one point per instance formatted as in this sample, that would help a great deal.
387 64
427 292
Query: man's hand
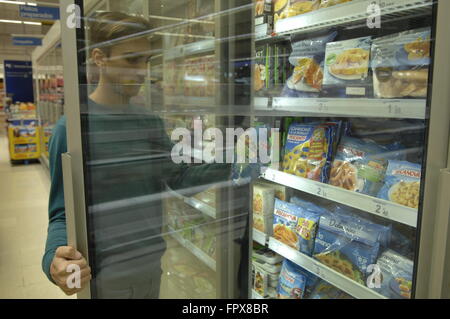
64 257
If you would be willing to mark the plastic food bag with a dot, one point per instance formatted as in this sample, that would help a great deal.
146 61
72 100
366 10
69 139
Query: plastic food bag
402 183
289 8
295 226
396 275
401 63
359 166
344 254
308 150
307 60
292 282
330 3
324 290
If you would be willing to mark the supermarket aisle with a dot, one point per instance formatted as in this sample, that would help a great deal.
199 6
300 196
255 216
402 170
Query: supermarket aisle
23 228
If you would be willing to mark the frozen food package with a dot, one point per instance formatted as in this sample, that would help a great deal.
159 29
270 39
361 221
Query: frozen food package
281 66
281 192
400 64
261 281
308 151
347 68
266 255
307 59
263 199
402 183
330 3
263 12
263 72
295 226
263 223
395 280
249 167
356 228
359 166
290 8
292 282
309 206
348 257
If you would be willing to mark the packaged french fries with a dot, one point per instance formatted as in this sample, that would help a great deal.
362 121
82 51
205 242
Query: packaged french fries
264 12
347 68
401 63
263 73
263 199
292 282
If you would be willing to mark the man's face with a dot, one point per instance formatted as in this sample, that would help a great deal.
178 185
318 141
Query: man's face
126 66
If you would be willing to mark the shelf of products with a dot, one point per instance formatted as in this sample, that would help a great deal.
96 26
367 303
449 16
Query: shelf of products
380 108
194 203
375 206
338 280
207 260
23 137
349 13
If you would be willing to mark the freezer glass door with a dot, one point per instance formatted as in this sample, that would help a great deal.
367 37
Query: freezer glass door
348 84
157 92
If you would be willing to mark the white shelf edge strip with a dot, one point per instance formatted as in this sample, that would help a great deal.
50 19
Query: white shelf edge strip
211 263
204 208
333 277
375 206
344 13
190 49
387 108
260 237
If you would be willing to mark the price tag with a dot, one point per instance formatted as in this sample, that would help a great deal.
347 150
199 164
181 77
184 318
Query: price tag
323 107
381 209
394 109
322 192
319 271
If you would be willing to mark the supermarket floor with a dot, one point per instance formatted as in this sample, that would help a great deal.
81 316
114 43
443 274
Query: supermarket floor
23 228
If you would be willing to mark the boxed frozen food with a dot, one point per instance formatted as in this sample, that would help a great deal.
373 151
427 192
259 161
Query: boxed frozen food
295 226
347 68
261 281
402 183
395 280
271 269
263 69
308 150
292 282
264 12
263 223
281 66
281 192
289 8
263 199
266 255
401 63
307 60
341 253
359 166
330 3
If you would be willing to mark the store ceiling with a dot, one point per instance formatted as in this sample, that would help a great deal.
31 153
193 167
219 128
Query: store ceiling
11 12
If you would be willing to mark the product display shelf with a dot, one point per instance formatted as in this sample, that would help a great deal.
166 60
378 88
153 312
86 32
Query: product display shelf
194 203
354 12
379 207
380 108
189 101
194 48
320 270
210 262
260 237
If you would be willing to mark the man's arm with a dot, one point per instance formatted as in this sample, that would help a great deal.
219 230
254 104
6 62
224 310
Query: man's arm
57 234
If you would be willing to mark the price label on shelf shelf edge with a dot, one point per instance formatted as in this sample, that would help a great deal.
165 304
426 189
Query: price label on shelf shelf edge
381 209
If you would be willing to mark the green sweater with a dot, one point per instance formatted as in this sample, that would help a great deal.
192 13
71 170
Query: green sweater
112 137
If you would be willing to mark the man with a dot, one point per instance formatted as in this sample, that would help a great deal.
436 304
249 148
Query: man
128 160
